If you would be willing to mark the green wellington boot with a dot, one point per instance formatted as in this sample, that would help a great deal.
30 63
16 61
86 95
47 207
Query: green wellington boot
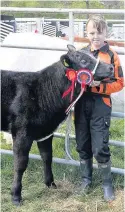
108 190
86 173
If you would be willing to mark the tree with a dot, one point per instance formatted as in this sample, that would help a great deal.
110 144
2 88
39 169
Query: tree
90 4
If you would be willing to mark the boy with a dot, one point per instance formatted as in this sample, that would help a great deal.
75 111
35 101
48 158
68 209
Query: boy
93 111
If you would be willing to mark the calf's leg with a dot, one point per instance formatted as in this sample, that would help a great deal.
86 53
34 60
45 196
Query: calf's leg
21 148
45 149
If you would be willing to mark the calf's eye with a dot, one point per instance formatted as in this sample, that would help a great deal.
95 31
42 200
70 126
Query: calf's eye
111 69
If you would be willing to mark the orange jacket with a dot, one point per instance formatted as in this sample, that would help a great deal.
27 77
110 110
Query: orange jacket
106 54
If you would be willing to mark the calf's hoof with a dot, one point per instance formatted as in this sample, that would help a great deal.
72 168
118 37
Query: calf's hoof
53 185
17 201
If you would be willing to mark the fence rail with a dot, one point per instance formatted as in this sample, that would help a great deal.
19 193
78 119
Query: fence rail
64 19
60 10
119 51
64 161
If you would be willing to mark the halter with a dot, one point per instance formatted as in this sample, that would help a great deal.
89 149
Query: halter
82 76
96 65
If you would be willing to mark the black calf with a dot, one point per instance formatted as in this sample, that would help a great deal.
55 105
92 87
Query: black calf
33 107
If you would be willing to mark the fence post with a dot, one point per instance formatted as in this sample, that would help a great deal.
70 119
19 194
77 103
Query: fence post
38 25
71 27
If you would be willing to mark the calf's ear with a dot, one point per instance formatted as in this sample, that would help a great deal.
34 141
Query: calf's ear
71 48
65 61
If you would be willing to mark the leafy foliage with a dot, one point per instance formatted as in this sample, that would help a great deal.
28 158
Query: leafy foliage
98 4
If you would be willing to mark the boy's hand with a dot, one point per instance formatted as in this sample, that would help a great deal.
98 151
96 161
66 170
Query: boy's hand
95 83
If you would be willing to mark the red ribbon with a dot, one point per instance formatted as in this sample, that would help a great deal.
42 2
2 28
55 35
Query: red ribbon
72 76
83 76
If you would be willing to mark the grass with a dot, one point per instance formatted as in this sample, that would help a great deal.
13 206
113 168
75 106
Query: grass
38 198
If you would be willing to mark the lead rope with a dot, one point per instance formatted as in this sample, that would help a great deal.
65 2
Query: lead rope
72 105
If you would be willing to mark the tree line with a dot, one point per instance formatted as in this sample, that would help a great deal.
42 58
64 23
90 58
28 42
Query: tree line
98 4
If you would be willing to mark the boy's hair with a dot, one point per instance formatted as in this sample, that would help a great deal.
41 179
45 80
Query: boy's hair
99 22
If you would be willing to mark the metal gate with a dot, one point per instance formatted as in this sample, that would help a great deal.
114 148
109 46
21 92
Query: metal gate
5 29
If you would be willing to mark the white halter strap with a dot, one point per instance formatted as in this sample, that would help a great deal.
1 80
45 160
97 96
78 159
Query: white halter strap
97 63
43 139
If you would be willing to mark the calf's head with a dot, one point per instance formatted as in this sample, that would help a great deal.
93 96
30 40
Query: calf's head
83 60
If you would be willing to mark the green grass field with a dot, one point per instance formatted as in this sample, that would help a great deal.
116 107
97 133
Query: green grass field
38 198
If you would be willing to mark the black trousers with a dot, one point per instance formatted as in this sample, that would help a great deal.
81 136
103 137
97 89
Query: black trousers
92 122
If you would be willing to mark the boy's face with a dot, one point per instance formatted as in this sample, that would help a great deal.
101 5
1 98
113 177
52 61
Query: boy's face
96 38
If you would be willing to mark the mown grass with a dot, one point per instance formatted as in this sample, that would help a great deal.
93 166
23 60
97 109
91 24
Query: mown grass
66 198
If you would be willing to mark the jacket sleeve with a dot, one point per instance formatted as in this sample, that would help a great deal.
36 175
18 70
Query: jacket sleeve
118 85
